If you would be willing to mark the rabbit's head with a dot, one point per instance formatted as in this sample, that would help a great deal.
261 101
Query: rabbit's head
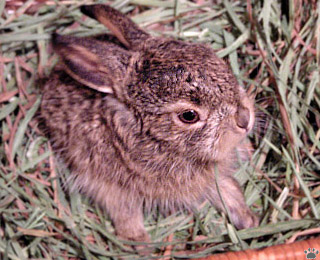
185 98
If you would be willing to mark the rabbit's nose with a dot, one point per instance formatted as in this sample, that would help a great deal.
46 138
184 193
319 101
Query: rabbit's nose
243 117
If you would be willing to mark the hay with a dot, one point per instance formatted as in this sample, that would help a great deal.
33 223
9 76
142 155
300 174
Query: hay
273 47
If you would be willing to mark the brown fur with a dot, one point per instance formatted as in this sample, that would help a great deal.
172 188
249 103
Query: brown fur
122 138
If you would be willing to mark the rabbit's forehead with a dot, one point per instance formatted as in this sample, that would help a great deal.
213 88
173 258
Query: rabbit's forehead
203 84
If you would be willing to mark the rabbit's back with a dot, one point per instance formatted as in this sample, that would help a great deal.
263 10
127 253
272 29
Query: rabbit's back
73 119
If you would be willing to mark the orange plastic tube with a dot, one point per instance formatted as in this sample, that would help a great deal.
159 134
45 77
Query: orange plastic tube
294 251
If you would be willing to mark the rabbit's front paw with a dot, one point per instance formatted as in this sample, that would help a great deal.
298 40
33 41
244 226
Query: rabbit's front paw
243 218
138 235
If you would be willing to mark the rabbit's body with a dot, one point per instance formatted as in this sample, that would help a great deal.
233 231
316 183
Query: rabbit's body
171 115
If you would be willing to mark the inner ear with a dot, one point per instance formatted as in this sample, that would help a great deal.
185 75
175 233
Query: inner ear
90 62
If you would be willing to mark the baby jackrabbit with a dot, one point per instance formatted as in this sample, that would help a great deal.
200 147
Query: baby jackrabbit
143 121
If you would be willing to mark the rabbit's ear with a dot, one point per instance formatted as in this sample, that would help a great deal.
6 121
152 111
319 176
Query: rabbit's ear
83 60
127 32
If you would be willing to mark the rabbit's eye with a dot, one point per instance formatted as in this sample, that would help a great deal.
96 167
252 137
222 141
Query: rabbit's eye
189 116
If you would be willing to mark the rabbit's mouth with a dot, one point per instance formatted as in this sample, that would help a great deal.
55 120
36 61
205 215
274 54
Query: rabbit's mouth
235 129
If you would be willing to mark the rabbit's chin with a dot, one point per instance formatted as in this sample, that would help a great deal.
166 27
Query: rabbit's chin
229 146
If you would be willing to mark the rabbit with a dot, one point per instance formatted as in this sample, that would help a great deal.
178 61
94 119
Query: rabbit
144 122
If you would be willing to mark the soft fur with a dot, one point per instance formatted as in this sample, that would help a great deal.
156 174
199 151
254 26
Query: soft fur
111 111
